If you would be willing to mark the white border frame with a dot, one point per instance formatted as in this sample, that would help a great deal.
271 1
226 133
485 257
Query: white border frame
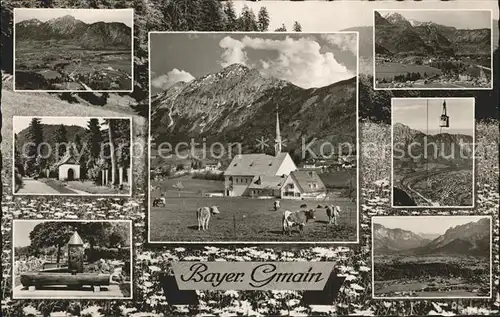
257 242
443 88
473 155
131 180
131 240
61 91
427 298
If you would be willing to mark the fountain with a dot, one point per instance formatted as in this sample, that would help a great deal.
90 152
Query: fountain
70 275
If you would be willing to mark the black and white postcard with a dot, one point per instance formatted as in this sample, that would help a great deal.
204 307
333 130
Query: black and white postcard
433 49
54 259
433 152
73 50
72 156
253 137
432 257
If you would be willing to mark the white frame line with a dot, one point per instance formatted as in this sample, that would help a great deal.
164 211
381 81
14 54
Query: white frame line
131 180
427 298
131 240
473 156
255 242
443 88
71 91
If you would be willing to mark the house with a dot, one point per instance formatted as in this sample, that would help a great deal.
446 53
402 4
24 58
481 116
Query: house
258 174
303 184
68 168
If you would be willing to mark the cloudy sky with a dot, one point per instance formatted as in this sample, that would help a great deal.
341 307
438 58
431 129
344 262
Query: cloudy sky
21 123
316 16
306 60
460 19
85 15
414 113
425 224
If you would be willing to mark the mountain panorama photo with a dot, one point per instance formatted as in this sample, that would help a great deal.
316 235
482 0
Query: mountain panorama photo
432 49
236 118
73 49
431 256
433 152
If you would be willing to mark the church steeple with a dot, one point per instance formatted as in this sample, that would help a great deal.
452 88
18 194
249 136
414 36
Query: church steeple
277 144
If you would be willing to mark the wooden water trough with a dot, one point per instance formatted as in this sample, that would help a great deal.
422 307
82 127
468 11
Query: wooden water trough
69 275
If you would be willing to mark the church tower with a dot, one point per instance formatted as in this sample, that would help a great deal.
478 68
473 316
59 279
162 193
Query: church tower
277 144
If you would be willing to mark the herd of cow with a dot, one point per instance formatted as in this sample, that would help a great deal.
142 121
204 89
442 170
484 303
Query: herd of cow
290 220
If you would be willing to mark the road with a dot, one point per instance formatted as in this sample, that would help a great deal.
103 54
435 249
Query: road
33 186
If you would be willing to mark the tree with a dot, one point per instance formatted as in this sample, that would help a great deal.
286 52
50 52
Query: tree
61 139
49 234
95 138
263 19
95 233
231 18
80 152
112 151
211 18
34 161
282 28
297 27
247 20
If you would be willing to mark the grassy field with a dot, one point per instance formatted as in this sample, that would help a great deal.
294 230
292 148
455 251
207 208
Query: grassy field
245 219
192 187
436 276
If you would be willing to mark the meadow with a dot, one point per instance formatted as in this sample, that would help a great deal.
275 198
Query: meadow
246 219
434 276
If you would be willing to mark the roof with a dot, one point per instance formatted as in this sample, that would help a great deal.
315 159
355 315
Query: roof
266 182
303 178
255 164
67 159
75 239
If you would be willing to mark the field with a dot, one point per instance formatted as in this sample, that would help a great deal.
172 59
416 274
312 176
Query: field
64 67
437 276
245 219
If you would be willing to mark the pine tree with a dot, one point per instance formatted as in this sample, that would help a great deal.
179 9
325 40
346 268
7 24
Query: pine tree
34 161
282 28
211 16
247 20
263 21
231 18
297 27
80 154
95 138
61 139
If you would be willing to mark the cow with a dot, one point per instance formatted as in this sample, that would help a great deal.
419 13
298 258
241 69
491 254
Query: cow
332 213
160 201
303 206
203 216
276 204
296 219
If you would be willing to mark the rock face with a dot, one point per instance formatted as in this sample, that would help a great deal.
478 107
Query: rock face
472 238
239 104
394 34
98 35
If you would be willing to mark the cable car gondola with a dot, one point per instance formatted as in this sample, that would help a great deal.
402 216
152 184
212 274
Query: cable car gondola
444 122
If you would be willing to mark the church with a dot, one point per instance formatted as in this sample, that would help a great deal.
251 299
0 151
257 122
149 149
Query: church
259 174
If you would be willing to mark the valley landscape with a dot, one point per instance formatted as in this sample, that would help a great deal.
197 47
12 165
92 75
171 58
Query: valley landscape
454 263
426 54
67 54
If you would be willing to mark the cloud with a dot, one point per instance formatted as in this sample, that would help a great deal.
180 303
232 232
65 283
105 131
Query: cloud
298 60
172 77
345 41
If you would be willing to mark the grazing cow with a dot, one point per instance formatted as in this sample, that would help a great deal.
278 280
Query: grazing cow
333 214
276 204
303 206
160 201
296 219
203 216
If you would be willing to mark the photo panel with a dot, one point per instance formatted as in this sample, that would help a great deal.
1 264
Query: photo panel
433 152
431 257
253 137
73 50
72 156
72 259
431 49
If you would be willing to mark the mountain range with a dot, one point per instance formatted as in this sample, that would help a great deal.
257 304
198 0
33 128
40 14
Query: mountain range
451 144
394 34
472 238
98 35
238 104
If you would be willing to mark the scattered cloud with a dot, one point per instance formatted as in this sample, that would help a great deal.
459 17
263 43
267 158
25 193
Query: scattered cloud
172 77
344 41
299 60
